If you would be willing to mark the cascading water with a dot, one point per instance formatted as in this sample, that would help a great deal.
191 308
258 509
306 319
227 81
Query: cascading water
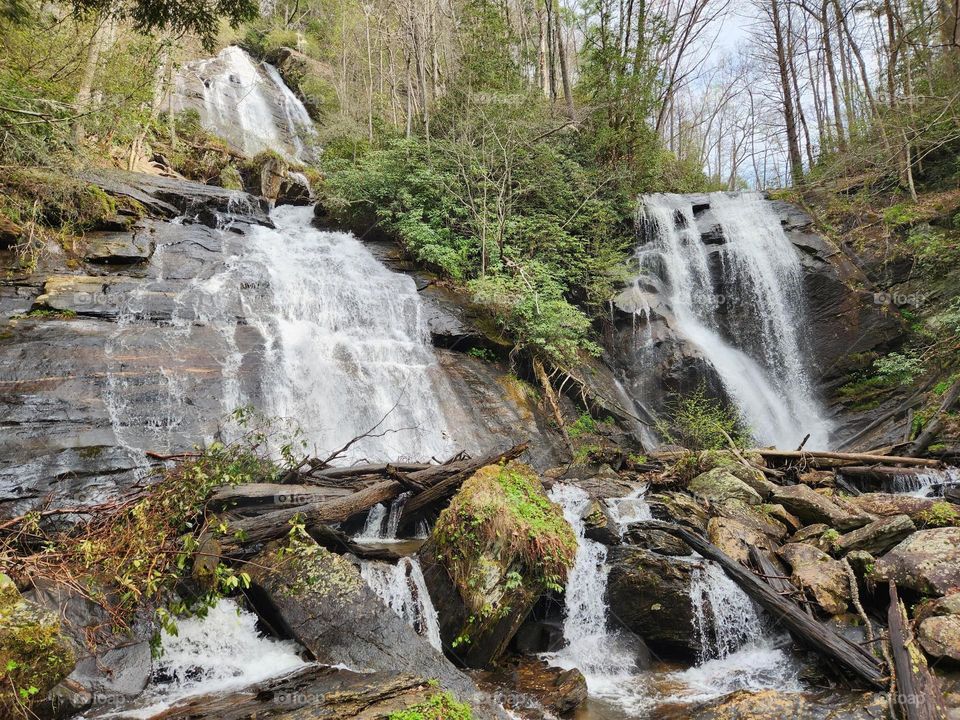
245 102
603 656
724 618
348 349
923 484
761 364
220 652
403 589
382 523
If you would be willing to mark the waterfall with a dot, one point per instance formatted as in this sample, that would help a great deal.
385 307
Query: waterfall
760 364
923 484
348 349
245 102
724 618
403 589
382 523
215 654
603 656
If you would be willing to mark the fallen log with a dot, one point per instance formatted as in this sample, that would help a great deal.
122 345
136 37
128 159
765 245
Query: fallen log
263 496
936 423
272 525
354 471
918 692
836 459
807 629
879 473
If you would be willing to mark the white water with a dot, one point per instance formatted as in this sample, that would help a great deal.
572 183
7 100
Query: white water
924 484
382 523
246 103
762 366
724 618
603 656
403 589
215 654
348 348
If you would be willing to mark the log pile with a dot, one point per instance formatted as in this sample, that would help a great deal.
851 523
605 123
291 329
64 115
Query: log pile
258 514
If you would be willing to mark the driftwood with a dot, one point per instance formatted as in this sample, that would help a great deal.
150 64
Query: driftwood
263 496
812 632
837 459
272 525
918 692
936 422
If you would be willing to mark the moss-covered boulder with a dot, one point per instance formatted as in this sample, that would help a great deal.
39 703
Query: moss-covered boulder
818 574
34 655
928 561
499 545
719 485
598 525
679 508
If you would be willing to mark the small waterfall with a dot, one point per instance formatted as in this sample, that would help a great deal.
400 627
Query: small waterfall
245 102
382 524
923 484
632 508
761 366
348 348
403 589
604 657
724 618
218 653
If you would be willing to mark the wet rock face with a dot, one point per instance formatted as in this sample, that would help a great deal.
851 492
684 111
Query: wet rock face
650 595
841 322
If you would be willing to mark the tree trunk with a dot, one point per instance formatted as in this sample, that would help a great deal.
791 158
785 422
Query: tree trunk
832 75
793 143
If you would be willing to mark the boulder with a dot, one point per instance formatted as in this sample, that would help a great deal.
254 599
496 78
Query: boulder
679 508
940 636
780 705
877 537
822 577
320 600
482 587
34 654
736 538
598 525
719 485
113 663
650 595
813 507
780 514
753 517
889 504
656 540
810 534
533 681
928 561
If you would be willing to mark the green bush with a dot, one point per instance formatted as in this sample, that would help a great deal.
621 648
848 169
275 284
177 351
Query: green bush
697 421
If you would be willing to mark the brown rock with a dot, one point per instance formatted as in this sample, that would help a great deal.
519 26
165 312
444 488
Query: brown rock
679 508
753 517
877 537
820 575
813 507
810 534
887 504
940 636
736 538
779 513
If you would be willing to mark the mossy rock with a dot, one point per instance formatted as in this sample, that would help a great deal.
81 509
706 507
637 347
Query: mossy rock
441 706
34 655
499 545
719 485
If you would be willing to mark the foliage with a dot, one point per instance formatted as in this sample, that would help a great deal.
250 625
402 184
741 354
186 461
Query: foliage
584 425
899 367
200 17
501 523
698 421
441 706
940 514
133 553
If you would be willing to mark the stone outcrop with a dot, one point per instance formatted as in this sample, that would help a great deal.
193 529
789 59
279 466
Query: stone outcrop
823 578
877 537
650 595
482 586
928 561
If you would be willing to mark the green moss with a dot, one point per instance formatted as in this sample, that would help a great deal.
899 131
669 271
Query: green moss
34 656
503 542
940 514
47 314
900 214
230 178
584 425
441 706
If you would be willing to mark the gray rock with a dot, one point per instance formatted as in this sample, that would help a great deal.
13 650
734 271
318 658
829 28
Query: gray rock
928 561
658 541
119 248
877 537
813 507
649 594
598 525
824 578
718 485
